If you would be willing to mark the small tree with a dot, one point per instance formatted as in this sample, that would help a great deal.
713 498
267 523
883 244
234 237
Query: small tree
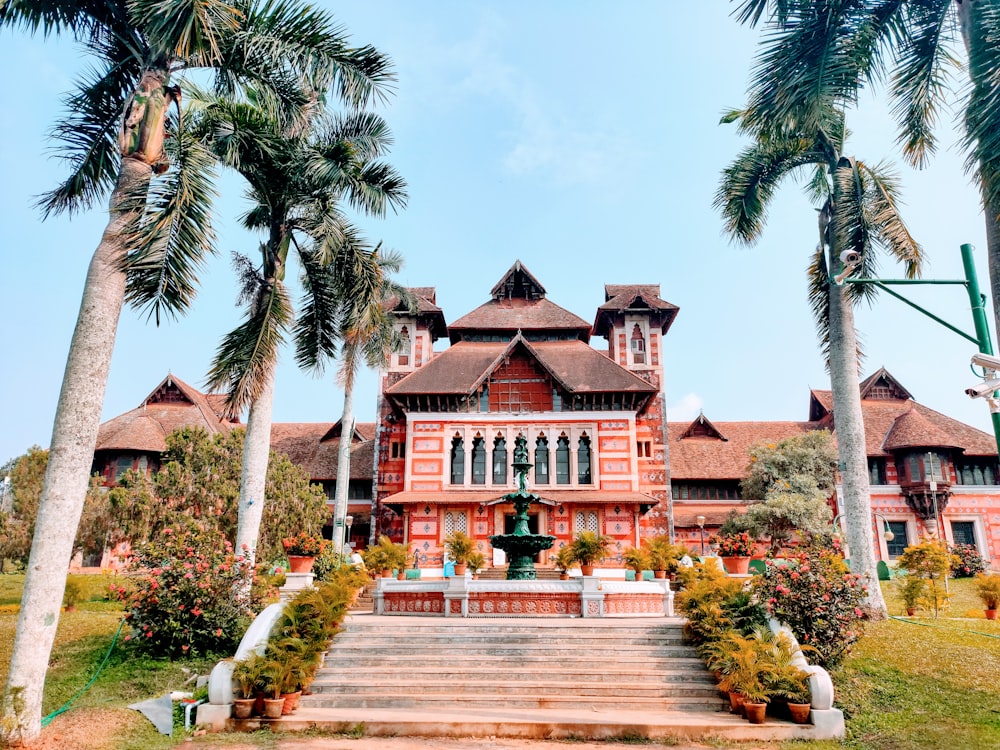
788 484
931 561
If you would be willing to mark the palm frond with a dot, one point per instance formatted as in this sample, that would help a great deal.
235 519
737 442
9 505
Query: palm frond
749 183
170 244
188 31
79 18
982 136
819 300
921 76
248 354
87 135
366 132
886 222
377 187
317 330
849 225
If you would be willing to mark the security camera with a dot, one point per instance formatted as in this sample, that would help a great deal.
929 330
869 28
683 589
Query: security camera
850 258
986 361
985 389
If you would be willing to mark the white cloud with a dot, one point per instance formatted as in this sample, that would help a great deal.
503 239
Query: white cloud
688 407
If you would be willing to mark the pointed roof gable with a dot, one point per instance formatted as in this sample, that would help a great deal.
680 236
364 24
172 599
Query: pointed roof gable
621 298
518 282
575 366
882 386
702 428
426 309
362 431
912 429
171 405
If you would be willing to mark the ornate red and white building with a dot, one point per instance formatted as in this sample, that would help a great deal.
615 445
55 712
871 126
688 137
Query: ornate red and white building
604 456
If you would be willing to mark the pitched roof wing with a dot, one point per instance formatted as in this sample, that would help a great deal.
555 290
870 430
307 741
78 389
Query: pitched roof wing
305 444
622 297
707 458
518 314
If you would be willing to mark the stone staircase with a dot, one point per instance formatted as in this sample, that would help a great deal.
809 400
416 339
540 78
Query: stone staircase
433 663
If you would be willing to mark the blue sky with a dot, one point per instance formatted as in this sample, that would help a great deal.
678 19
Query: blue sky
581 138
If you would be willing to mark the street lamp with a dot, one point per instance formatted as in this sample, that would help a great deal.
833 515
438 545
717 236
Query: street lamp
349 520
887 534
700 520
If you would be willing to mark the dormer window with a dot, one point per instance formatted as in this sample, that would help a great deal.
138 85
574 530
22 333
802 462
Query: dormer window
638 346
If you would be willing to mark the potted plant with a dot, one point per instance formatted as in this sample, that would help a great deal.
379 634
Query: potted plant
663 555
735 549
476 562
748 670
302 549
912 591
789 682
564 561
988 588
637 559
375 559
459 546
273 679
589 548
248 675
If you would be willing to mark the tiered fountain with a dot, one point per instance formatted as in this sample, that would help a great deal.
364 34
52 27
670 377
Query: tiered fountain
521 546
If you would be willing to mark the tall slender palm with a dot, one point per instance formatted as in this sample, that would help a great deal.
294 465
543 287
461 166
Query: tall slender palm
299 171
113 140
858 213
366 327
817 50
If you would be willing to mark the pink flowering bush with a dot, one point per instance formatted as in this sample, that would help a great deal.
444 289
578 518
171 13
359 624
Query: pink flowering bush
815 594
186 595
967 563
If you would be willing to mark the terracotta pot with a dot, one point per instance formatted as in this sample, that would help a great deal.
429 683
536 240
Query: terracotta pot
301 563
401 575
587 570
273 707
460 568
910 611
736 702
387 573
736 565
638 576
242 708
291 702
755 712
800 712
258 704
563 576
659 574
991 614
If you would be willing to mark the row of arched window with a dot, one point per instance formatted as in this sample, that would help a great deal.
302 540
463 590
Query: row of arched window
500 467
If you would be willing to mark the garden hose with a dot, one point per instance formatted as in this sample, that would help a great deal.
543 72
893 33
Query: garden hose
943 627
65 706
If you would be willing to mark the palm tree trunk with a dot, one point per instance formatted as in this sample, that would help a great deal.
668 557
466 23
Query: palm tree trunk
253 478
849 427
71 455
343 469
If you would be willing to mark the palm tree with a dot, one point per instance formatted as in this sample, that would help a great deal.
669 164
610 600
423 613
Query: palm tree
367 295
299 170
858 213
113 139
818 51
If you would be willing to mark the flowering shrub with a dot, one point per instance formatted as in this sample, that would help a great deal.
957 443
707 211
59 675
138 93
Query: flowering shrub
818 598
187 597
736 544
304 544
969 562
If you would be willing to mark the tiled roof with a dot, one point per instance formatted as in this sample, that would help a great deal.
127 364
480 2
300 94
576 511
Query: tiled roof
573 364
708 458
427 309
622 297
146 427
303 443
517 282
884 379
911 429
519 314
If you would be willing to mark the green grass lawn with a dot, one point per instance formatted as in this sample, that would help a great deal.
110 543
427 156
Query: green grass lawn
919 683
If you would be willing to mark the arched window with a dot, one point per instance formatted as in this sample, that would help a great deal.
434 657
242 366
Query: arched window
586 520
404 347
562 460
541 460
638 345
455 520
499 461
457 460
478 461
583 461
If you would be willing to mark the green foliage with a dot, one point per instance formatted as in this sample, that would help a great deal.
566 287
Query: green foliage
198 487
185 598
988 589
386 555
589 547
459 546
662 554
788 484
27 474
248 674
564 558
476 561
931 561
818 598
912 590
635 557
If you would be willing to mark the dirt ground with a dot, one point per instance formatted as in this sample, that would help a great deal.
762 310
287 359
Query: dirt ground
442 743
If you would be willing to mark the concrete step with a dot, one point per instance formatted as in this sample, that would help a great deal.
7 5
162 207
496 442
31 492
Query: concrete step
532 689
446 701
638 674
526 639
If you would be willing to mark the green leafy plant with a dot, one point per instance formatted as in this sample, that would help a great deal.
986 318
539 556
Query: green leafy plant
637 559
988 590
662 554
912 590
476 561
385 555
931 561
248 674
459 546
589 547
734 544
968 562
